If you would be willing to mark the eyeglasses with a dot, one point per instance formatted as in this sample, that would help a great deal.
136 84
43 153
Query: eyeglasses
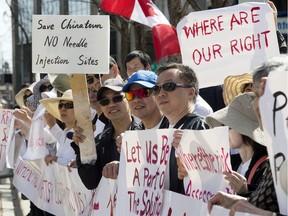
115 99
170 86
90 80
140 93
92 90
66 106
44 88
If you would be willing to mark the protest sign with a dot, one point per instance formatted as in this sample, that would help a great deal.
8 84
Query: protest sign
227 41
36 148
75 45
178 204
205 155
144 157
60 192
274 114
6 116
70 44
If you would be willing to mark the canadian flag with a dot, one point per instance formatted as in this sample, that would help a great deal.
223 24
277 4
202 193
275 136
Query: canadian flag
145 12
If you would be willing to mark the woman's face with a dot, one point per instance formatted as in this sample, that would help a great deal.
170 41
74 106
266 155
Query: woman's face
235 139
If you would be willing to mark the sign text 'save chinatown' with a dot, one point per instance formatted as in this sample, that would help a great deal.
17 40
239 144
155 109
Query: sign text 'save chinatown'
231 40
70 44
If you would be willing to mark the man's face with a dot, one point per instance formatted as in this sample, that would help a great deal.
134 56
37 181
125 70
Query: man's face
134 65
114 110
93 87
142 107
173 103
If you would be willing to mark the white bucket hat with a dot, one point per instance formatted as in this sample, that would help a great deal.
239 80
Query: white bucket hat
240 116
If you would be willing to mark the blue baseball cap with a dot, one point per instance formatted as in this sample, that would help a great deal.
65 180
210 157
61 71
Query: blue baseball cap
142 77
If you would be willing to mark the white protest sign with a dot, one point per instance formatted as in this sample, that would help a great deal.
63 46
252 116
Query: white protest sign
70 44
60 192
178 204
6 116
274 114
36 148
227 41
205 155
144 157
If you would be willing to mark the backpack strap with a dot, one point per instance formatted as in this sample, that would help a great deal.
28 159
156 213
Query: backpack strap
255 167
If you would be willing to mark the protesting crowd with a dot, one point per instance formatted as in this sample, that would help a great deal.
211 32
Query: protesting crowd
168 107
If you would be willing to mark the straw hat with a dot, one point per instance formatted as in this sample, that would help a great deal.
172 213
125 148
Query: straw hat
233 85
61 82
51 104
19 96
240 116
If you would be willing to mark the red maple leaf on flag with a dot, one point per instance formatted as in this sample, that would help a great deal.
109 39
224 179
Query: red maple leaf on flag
148 10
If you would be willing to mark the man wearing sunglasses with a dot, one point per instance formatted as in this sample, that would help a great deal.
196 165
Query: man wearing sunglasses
94 82
139 94
115 108
175 93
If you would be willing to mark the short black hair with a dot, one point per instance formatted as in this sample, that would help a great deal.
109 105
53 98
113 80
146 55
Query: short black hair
187 74
143 56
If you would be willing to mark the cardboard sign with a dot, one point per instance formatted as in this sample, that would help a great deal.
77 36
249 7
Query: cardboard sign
227 41
5 123
205 155
274 114
70 44
144 157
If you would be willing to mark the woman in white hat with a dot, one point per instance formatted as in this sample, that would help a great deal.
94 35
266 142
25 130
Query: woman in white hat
60 108
246 136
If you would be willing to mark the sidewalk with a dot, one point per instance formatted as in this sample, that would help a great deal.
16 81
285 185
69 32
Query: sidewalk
11 203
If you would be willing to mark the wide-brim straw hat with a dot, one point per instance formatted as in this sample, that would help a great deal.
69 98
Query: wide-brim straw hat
233 86
240 116
51 104
19 96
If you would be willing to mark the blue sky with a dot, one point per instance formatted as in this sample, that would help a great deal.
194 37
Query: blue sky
5 34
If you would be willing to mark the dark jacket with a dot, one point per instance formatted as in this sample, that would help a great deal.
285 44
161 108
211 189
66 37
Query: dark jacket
236 161
106 149
193 122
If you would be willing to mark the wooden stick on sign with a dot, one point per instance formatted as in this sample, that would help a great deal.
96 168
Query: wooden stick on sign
83 117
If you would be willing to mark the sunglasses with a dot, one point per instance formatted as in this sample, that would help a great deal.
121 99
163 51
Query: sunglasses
66 106
44 88
140 93
115 99
169 87
92 90
90 80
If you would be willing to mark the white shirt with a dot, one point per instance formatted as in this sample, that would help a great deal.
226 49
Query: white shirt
242 169
65 152
202 108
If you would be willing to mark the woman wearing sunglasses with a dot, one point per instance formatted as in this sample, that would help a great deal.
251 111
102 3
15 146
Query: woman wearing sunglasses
60 108
115 108
175 93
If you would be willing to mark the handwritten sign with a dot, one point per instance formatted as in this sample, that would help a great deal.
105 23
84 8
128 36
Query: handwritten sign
274 114
231 40
70 44
144 157
6 116
205 155
60 192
